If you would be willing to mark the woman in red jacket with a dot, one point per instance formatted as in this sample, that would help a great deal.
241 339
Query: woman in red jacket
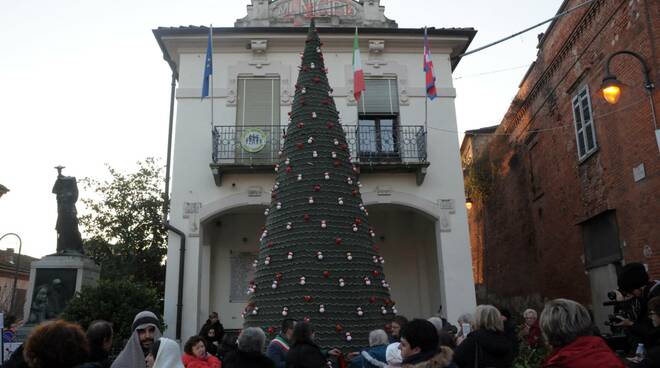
196 356
568 329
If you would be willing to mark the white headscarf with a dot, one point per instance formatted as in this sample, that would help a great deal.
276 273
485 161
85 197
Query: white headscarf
169 354
132 356
393 355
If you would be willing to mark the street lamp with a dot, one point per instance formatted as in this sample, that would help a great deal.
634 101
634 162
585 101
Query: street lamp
468 203
18 263
611 87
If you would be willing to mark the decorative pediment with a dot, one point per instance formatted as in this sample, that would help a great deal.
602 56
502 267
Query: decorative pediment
328 13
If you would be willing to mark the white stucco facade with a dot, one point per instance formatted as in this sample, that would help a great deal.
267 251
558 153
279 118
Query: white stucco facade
421 228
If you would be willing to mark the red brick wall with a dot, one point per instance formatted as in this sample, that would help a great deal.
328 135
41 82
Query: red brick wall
529 227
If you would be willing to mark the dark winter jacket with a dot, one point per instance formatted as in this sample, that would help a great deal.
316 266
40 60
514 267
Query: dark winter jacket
277 350
485 348
584 352
16 360
305 355
242 359
219 331
100 357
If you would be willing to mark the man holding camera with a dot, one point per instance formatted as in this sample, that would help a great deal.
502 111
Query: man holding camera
634 280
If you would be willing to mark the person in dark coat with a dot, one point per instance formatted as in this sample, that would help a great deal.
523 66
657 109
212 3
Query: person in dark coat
213 323
304 353
487 345
99 335
227 345
251 343
16 360
568 329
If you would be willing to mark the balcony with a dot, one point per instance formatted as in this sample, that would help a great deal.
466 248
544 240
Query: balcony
254 149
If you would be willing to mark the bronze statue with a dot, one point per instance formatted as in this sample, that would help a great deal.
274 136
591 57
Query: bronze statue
68 235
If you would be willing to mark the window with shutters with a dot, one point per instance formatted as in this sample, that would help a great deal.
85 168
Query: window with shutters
258 101
378 119
585 133
257 119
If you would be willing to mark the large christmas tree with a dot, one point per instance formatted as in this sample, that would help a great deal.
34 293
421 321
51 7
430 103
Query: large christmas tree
318 261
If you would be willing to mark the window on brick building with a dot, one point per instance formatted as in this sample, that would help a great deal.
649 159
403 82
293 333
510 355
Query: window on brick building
601 240
585 133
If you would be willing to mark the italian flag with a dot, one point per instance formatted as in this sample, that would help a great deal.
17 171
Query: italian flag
358 74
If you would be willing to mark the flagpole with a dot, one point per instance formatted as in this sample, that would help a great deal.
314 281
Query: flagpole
426 97
212 73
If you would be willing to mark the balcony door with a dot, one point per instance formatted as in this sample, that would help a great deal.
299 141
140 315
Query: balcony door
258 119
378 121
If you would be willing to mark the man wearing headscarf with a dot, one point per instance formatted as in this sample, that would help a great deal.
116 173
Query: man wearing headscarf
145 332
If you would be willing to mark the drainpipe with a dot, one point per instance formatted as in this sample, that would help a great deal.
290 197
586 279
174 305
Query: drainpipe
166 223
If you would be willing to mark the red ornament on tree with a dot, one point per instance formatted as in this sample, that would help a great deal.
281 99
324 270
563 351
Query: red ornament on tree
326 274
300 145
288 169
306 217
337 163
338 241
271 330
376 273
330 125
269 245
301 125
372 299
307 298
317 188
339 327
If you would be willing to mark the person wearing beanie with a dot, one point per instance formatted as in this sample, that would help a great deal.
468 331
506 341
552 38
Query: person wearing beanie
634 280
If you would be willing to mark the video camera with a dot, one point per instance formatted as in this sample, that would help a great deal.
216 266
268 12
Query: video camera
625 307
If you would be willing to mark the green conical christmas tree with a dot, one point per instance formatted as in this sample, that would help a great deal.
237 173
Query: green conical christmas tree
317 258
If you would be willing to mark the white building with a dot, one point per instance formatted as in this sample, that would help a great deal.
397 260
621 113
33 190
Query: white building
222 170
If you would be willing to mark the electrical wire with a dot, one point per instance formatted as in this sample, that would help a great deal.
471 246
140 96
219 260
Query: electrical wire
525 30
493 72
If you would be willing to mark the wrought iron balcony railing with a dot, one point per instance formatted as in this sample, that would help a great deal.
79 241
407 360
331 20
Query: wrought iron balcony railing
401 148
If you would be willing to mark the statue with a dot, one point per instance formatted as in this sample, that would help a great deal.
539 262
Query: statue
68 235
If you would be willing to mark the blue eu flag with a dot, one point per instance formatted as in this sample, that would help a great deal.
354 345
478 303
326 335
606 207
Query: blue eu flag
208 65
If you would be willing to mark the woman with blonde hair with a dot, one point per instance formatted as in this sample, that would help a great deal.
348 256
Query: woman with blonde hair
567 327
487 345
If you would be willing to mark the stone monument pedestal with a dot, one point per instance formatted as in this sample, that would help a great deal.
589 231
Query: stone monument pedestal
54 280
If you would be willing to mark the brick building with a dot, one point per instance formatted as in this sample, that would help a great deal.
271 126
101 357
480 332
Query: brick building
8 260
573 189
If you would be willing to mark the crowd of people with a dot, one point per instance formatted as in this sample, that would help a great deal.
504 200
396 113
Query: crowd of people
485 338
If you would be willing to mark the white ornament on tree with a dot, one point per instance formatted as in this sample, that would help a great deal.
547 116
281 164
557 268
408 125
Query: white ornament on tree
311 200
285 311
319 255
315 154
323 224
289 225
349 256
326 175
289 255
278 205
359 312
341 283
302 280
299 177
321 308
340 200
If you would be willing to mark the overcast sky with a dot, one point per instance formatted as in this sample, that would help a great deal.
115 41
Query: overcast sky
83 83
